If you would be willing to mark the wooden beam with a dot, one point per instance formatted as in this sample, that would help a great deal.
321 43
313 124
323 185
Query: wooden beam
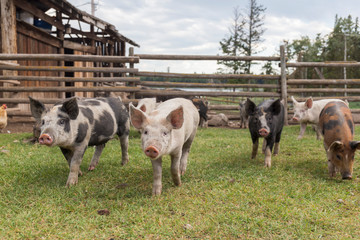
79 47
36 33
207 76
69 89
31 8
69 69
69 57
70 79
323 81
323 64
205 85
205 57
323 90
154 93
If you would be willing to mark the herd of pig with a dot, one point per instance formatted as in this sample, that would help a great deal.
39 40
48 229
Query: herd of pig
169 128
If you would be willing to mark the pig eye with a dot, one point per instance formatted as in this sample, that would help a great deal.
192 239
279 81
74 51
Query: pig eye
164 134
61 121
42 122
338 157
145 132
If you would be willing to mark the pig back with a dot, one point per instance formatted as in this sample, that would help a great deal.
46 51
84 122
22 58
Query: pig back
336 123
105 116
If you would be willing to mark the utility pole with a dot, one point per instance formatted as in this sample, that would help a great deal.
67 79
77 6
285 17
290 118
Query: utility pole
92 7
345 50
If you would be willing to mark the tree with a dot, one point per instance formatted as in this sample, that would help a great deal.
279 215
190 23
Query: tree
245 35
232 44
254 20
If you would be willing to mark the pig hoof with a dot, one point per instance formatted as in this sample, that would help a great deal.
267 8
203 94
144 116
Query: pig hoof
71 182
91 168
156 192
124 162
268 164
80 173
299 138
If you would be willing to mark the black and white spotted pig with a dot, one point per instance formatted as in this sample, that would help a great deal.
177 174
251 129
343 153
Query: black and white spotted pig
265 120
337 126
75 124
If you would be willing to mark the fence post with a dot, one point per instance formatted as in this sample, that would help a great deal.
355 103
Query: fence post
283 82
131 54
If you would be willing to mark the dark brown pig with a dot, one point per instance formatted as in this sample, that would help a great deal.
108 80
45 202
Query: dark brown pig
337 127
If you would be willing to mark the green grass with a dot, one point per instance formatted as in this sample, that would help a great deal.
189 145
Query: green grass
224 195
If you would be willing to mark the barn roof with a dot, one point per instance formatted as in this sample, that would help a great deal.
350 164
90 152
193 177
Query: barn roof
102 29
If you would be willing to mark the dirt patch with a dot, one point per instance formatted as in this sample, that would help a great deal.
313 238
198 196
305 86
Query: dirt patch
18 128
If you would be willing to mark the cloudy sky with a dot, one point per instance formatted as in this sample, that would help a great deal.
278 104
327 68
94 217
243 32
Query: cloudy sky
197 26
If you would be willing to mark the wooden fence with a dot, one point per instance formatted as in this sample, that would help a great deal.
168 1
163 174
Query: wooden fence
27 79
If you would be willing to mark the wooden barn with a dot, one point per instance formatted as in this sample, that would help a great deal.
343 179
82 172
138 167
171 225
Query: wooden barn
44 27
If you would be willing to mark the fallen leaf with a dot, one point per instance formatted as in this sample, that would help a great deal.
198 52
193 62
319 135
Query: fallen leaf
122 186
5 151
188 226
103 212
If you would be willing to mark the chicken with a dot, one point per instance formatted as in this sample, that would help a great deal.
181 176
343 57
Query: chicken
3 117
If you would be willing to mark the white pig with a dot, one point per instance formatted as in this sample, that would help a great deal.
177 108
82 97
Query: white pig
308 112
169 129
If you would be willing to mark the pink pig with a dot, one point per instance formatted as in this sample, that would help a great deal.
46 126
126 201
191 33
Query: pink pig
168 130
308 112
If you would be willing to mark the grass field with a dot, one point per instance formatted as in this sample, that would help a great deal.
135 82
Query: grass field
224 195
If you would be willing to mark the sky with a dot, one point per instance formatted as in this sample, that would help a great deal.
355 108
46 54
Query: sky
195 27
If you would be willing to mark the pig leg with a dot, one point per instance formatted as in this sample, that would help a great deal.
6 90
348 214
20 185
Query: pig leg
277 143
302 130
157 169
185 154
68 154
331 169
264 146
255 147
75 166
175 168
268 150
96 156
318 132
276 148
124 142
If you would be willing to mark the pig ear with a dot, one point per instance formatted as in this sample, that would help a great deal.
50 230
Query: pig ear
37 108
355 145
137 117
336 146
71 108
275 107
250 107
294 100
143 108
176 117
309 102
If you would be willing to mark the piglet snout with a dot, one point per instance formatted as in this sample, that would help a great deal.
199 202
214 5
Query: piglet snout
263 132
346 176
151 152
45 139
295 119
